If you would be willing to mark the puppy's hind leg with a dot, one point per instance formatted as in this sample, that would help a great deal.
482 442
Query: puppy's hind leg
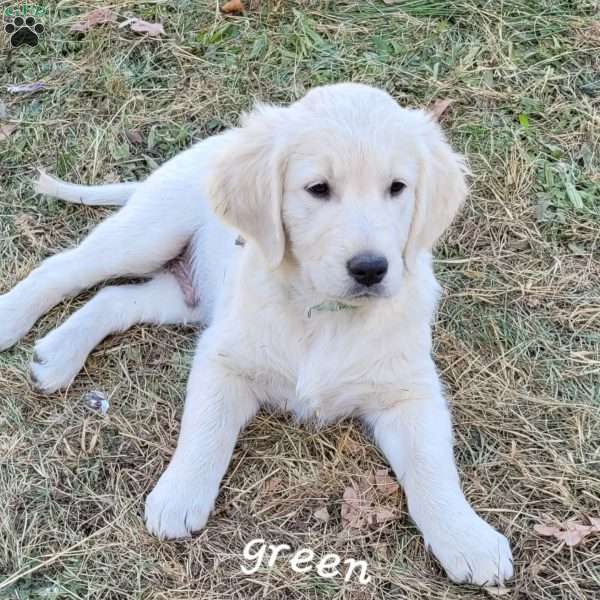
61 354
137 240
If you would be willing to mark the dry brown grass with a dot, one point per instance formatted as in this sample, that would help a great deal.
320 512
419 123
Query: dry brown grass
517 340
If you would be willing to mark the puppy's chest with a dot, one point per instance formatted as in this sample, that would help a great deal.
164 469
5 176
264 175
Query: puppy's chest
329 375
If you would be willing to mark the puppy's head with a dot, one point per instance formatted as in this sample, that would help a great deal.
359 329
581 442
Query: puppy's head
346 186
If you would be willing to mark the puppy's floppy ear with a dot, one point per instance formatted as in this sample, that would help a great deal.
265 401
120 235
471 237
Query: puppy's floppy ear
245 185
441 191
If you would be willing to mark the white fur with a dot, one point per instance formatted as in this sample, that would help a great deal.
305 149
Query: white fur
114 194
261 346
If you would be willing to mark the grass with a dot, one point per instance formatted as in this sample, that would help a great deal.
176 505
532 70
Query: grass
517 338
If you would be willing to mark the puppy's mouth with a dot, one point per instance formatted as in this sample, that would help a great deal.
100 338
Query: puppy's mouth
360 294
356 298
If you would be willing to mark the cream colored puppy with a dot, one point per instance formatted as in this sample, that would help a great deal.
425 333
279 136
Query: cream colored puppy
324 312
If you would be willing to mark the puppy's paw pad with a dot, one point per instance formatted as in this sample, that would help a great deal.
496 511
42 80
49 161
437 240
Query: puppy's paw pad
172 514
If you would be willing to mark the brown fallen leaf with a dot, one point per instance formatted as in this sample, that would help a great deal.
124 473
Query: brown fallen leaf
99 16
381 514
353 508
439 107
361 502
233 6
28 229
6 129
272 485
322 514
574 535
382 550
546 530
349 445
134 136
140 26
591 33
383 483
571 532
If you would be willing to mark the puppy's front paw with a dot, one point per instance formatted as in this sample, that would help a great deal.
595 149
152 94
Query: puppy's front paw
472 552
56 361
176 510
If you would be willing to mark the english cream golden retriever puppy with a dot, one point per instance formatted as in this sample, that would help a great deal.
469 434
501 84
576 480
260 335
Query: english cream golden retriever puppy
324 311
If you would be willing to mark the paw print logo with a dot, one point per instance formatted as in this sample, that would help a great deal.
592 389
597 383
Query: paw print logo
24 31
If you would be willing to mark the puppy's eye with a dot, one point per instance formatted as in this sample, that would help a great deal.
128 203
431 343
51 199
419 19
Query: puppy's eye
396 188
319 190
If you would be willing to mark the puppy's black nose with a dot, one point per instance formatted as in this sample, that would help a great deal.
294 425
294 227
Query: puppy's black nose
368 269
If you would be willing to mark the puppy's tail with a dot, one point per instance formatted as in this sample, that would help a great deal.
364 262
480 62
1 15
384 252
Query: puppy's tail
112 194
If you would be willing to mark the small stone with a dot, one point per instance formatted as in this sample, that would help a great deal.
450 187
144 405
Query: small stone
96 401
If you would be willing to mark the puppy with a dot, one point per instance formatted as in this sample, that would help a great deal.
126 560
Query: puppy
324 310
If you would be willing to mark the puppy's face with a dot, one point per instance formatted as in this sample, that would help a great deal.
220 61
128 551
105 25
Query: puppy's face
345 186
348 201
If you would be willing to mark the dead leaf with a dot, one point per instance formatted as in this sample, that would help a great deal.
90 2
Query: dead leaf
24 88
382 514
384 484
591 33
576 533
322 514
382 551
349 445
546 530
6 130
361 502
134 136
272 485
352 508
439 107
233 6
140 26
27 229
87 21
571 532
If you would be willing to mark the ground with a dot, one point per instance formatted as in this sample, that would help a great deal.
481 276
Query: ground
517 338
